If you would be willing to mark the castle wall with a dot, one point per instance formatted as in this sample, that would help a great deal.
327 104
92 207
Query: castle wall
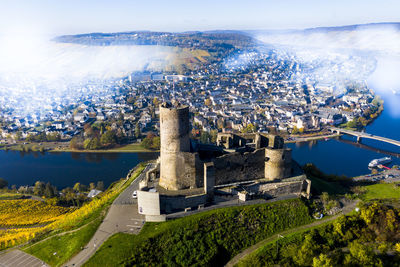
270 190
209 180
172 203
236 167
148 202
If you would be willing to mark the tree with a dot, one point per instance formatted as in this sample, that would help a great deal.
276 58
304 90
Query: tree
155 101
100 185
397 247
53 137
108 138
137 131
309 247
207 102
3 183
322 261
102 129
39 188
92 186
151 142
156 143
18 135
49 191
250 128
362 255
92 143
205 137
75 143
77 187
88 129
213 136
355 124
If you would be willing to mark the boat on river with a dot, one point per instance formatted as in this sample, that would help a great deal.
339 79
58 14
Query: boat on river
376 162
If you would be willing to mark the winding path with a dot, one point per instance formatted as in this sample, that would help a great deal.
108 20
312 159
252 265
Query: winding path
235 260
122 216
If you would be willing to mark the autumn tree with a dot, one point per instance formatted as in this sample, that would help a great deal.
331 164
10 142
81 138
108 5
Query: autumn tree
3 183
100 185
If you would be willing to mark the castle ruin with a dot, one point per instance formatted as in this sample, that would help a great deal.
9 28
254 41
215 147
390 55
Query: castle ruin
187 172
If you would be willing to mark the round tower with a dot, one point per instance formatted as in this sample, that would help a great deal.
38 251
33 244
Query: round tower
278 163
174 137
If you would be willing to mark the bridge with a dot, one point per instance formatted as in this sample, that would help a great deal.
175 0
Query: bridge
361 135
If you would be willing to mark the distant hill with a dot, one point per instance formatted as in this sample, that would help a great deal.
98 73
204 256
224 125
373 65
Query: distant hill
382 38
395 25
211 41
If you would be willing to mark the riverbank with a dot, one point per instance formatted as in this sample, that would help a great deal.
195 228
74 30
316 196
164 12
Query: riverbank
64 147
295 139
130 148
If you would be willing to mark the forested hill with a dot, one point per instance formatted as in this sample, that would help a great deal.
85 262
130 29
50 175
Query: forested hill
210 41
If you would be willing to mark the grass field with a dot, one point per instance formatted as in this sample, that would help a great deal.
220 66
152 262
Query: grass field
127 148
208 238
381 191
59 249
25 148
8 196
133 148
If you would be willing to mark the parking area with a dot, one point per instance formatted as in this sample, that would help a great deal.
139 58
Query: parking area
18 258
388 176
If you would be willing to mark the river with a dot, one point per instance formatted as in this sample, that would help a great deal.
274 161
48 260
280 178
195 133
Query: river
344 156
64 169
336 156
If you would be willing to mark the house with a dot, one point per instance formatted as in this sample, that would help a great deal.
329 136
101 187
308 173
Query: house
80 117
101 116
94 192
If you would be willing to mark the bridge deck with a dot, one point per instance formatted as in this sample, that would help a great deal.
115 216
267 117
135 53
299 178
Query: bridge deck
365 135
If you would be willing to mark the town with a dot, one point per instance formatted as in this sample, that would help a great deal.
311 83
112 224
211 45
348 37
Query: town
265 90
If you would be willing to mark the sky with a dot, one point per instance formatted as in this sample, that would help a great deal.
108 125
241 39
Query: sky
81 16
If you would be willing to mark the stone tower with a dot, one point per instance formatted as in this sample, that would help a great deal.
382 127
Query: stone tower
278 163
278 159
174 137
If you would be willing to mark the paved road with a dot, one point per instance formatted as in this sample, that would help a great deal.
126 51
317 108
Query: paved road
235 260
18 258
388 176
122 216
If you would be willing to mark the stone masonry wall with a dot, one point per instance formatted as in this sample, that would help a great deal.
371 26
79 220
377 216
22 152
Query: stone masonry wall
236 167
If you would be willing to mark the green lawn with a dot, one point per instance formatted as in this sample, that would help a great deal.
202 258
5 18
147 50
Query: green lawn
133 148
204 239
59 249
7 195
25 148
381 191
127 148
